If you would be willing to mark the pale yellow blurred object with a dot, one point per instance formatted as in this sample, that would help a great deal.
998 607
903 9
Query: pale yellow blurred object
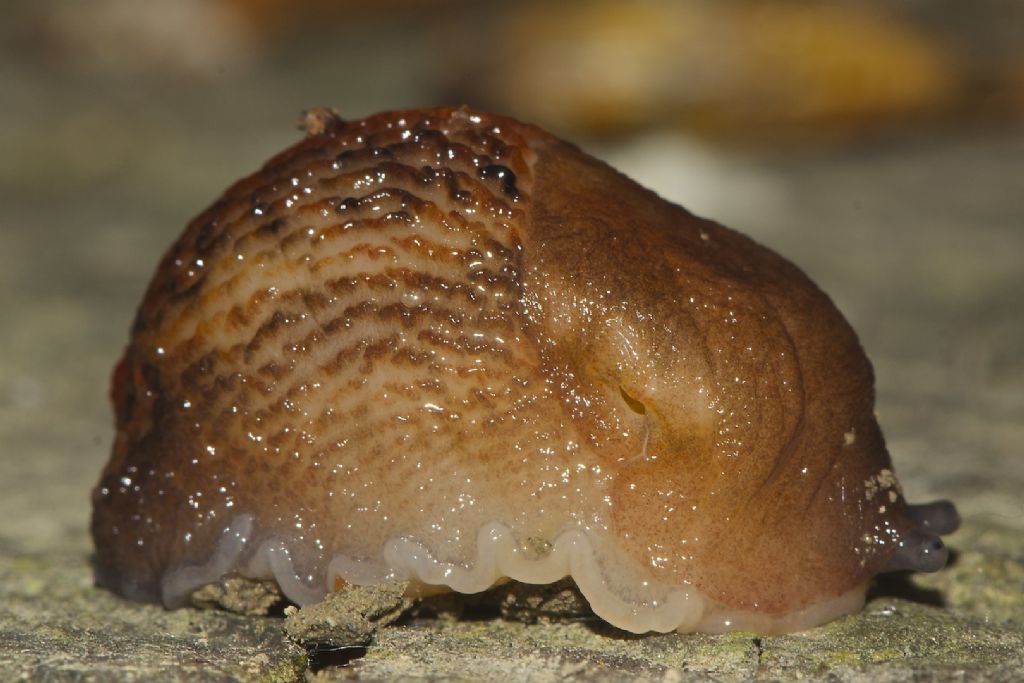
734 68
191 37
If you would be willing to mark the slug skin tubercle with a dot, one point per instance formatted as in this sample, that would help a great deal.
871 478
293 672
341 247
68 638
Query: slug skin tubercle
446 347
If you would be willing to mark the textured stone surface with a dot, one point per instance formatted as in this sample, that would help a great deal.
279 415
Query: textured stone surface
349 616
239 595
55 626
918 241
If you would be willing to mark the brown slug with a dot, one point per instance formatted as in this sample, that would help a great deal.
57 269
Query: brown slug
446 347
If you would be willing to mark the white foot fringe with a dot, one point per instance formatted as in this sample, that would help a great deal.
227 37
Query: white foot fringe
616 591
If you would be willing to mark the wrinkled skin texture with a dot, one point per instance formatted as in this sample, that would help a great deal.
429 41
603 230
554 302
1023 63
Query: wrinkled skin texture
426 321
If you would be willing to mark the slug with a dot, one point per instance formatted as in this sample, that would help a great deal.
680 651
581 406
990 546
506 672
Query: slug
445 347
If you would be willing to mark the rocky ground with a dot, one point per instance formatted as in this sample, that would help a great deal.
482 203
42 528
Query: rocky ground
919 240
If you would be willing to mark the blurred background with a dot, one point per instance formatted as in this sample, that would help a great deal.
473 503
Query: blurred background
879 145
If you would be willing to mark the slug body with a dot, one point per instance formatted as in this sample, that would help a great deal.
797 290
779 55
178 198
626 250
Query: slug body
446 347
